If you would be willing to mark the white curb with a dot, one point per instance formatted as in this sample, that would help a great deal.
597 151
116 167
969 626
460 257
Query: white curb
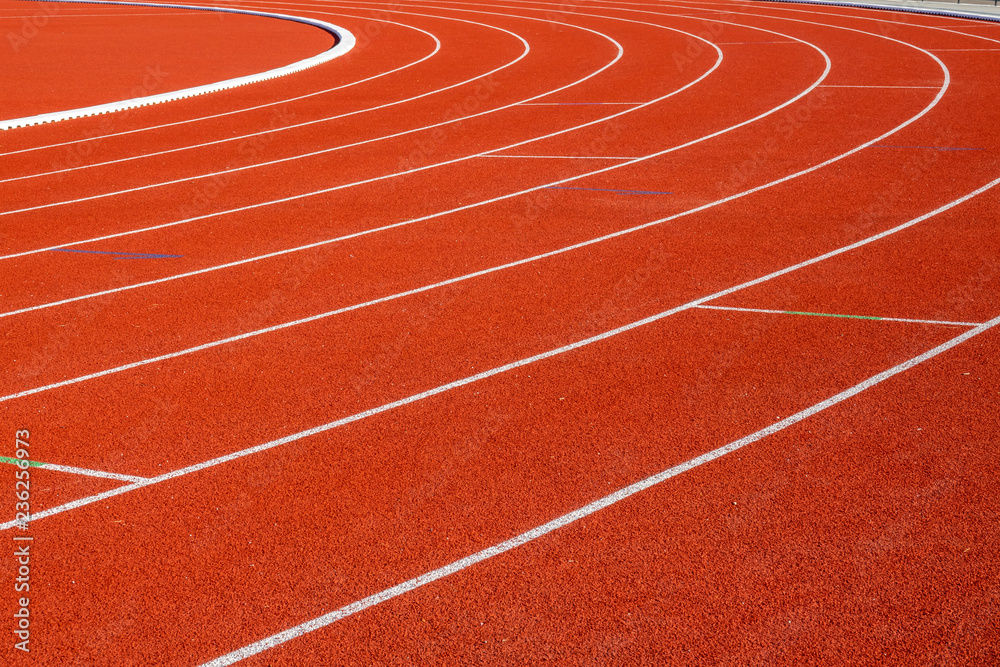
345 42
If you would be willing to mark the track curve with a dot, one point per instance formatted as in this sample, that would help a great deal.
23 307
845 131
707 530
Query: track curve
344 42
523 331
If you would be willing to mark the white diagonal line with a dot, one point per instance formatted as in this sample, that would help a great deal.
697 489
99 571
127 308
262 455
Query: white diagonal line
586 510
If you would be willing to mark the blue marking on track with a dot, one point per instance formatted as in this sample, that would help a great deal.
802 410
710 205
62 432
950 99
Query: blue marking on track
118 255
620 192
936 148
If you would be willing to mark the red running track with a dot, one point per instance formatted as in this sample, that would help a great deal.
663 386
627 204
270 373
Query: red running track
593 333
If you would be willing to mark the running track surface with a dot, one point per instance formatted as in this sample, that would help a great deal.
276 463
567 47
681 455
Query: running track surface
300 359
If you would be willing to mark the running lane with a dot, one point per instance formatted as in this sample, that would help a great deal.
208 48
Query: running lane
64 56
811 543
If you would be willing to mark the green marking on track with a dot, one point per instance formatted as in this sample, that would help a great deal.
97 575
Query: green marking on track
852 317
7 459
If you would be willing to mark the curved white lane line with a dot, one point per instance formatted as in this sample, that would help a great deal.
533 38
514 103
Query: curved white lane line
99 137
317 244
428 217
494 269
568 348
419 169
475 274
586 510
606 237
612 235
881 19
950 13
618 56
606 501
524 53
874 7
598 504
344 42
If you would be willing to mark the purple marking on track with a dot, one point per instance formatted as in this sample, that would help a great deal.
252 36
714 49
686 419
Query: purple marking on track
117 255
620 192
936 148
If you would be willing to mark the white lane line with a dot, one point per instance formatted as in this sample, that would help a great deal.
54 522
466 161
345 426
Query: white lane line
503 148
620 53
518 193
155 127
481 203
848 317
431 216
241 137
712 204
586 510
476 274
76 471
437 48
510 366
930 87
468 276
286 251
970 21
345 42
560 157
959 13
425 575
580 104
92 473
236 111
304 320
424 168
969 25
